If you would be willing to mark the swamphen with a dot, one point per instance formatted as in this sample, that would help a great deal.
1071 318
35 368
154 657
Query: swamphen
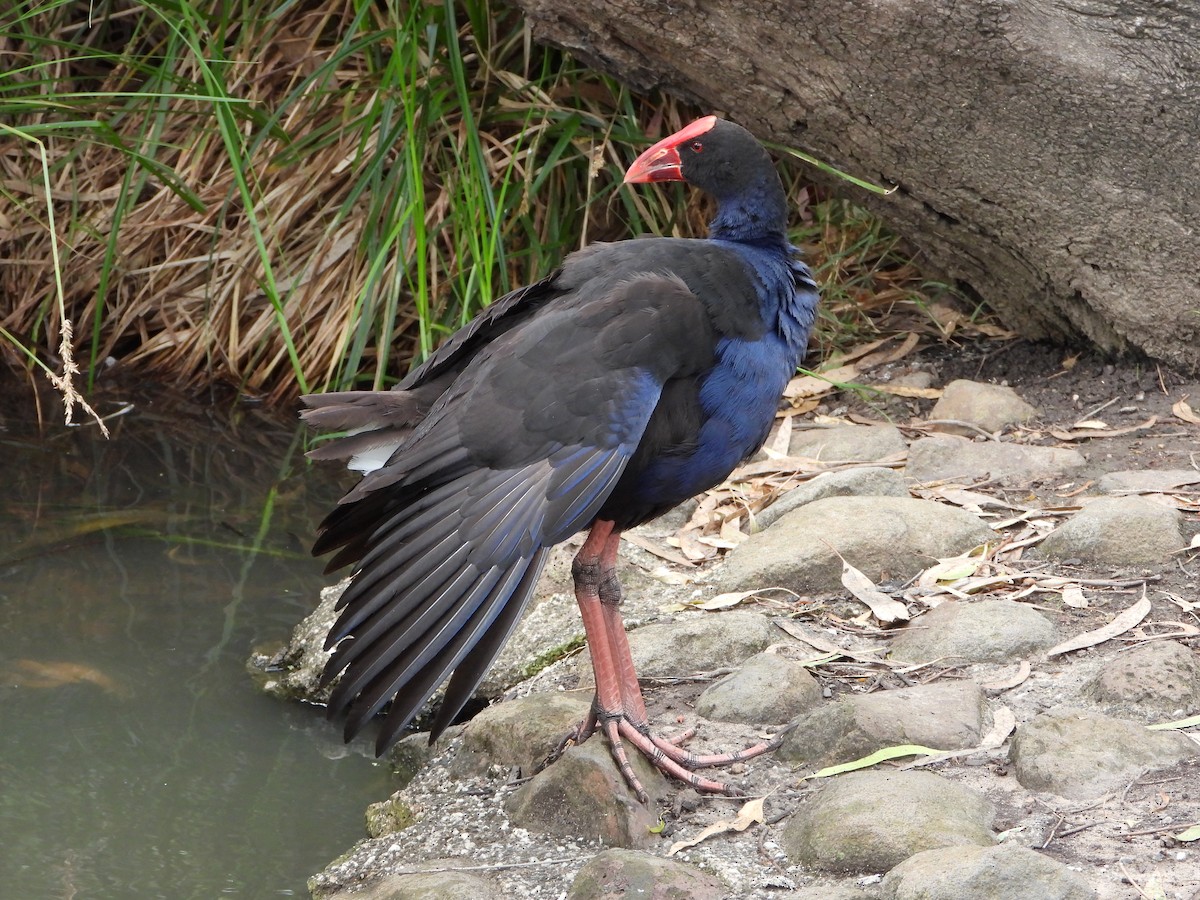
635 376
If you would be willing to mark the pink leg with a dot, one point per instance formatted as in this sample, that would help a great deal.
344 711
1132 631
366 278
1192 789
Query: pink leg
618 709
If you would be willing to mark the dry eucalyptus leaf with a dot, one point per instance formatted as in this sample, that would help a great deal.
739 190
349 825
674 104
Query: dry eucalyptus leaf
872 655
1008 680
816 385
751 812
1085 434
1004 721
882 606
1182 410
1072 595
904 390
724 601
1122 623
950 569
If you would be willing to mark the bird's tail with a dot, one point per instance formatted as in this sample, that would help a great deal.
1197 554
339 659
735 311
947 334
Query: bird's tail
375 423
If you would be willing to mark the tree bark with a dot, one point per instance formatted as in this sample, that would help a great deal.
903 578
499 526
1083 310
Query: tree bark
1046 152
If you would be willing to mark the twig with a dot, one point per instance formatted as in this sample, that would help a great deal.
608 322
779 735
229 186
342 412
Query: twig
961 423
1137 887
1088 415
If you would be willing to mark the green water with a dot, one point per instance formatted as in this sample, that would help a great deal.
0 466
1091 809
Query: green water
137 760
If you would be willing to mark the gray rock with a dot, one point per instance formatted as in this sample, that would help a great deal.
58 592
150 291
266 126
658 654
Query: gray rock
989 406
984 873
1079 754
443 885
1118 531
520 732
866 482
1156 680
700 642
305 656
768 688
885 537
871 821
583 794
1146 480
845 443
947 457
389 816
981 631
629 873
942 716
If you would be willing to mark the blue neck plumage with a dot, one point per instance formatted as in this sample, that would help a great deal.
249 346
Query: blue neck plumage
757 214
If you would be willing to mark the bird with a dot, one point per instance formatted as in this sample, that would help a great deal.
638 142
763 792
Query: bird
635 376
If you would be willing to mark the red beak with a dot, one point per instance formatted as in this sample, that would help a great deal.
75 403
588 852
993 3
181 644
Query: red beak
661 162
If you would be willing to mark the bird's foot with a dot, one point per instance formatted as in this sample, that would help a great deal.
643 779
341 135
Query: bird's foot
665 754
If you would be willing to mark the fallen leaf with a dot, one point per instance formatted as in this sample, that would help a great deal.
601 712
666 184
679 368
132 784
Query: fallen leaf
1004 721
876 758
1190 834
1086 435
889 356
1176 725
777 446
751 812
951 569
1008 681
670 576
821 383
905 390
1119 625
1183 410
800 633
1072 595
725 601
883 607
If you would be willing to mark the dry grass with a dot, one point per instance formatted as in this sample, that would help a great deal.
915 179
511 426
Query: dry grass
291 198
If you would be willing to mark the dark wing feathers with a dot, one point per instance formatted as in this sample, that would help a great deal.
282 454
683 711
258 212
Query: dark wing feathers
535 421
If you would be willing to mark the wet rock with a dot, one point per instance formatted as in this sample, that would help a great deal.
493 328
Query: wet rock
768 688
988 406
983 631
845 443
1080 755
1156 680
628 873
942 716
871 821
304 659
885 537
411 752
865 482
944 457
433 885
389 816
983 873
699 643
1117 531
583 794
521 732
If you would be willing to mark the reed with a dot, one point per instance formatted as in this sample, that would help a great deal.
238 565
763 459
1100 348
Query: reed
308 196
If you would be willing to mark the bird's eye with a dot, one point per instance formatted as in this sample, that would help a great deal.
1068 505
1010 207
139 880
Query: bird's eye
697 146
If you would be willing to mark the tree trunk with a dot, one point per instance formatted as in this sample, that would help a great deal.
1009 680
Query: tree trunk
1046 153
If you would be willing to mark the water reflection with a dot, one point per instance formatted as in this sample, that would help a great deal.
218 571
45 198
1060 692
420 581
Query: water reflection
136 757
